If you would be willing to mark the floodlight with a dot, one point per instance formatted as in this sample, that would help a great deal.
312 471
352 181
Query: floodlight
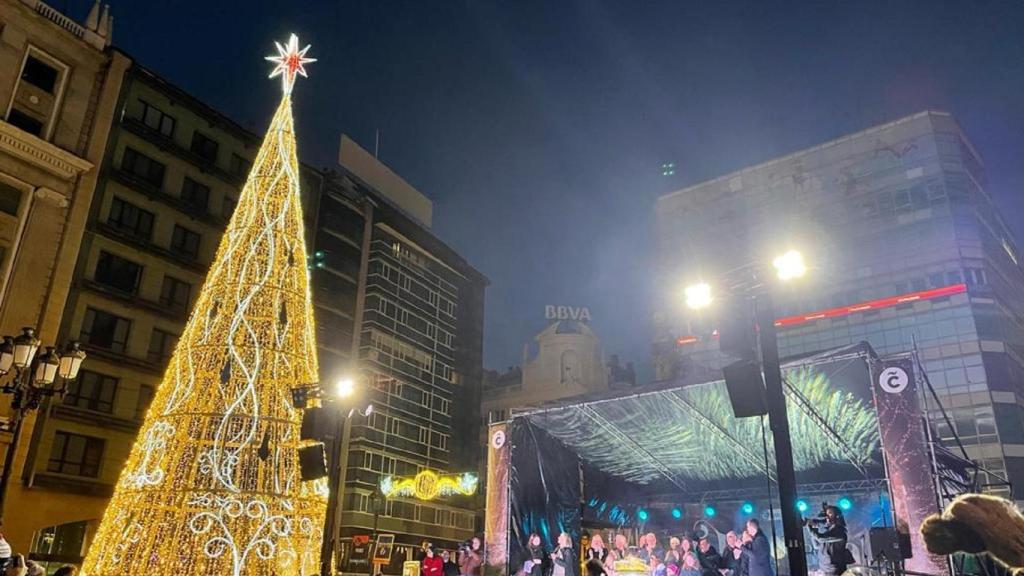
345 387
710 511
642 515
747 508
802 506
790 265
677 513
698 296
845 503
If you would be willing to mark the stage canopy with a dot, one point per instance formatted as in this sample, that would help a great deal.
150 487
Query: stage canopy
686 439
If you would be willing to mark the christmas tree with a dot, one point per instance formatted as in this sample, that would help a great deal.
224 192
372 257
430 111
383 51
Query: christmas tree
212 483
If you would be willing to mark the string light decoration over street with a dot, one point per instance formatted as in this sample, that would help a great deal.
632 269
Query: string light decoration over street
213 483
290 62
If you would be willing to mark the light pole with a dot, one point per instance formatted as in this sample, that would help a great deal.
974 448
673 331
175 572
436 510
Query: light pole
34 378
343 398
788 266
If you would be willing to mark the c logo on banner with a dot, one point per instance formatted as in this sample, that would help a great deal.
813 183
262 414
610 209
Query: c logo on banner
893 380
498 439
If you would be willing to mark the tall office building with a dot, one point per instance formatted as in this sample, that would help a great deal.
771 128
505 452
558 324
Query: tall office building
59 84
404 311
905 248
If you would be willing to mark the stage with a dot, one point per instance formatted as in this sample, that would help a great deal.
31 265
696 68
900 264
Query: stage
673 460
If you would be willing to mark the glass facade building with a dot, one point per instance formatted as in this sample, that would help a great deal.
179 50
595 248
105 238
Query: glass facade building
905 251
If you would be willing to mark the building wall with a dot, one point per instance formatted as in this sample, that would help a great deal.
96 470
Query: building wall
894 210
59 89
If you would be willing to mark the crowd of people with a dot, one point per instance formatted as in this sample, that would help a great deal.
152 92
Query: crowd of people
467 561
17 565
747 553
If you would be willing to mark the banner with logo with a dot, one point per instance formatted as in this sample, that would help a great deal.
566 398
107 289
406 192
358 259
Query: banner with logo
496 515
906 459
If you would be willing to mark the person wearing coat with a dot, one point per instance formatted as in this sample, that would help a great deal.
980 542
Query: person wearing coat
565 561
432 563
833 557
757 554
538 560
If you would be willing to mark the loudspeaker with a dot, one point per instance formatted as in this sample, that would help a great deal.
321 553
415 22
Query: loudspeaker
745 385
316 425
889 544
736 334
312 462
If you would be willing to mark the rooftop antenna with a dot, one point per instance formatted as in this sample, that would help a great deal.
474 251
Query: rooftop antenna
376 144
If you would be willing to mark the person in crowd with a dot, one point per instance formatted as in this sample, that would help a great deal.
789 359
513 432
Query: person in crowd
650 548
538 560
16 567
672 569
685 545
5 548
710 560
66 570
657 566
564 558
756 550
448 566
432 565
691 566
830 533
672 555
729 558
597 556
621 547
34 569
471 559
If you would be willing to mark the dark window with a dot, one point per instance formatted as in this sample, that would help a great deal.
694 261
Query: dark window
39 74
25 122
105 330
156 119
75 454
195 195
10 199
161 345
239 165
129 218
229 206
138 164
118 272
174 293
185 242
204 147
145 399
92 390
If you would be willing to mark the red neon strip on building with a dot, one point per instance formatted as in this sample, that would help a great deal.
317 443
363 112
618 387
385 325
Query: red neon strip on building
873 305
854 308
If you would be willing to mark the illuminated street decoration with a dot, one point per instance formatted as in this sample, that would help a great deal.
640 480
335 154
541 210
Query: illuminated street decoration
212 484
428 485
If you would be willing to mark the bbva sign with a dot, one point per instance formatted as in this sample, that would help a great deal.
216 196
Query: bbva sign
581 313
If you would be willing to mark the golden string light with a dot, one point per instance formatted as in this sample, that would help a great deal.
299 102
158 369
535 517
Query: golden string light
428 485
212 484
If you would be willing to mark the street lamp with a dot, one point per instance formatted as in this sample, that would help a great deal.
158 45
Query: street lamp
32 380
788 266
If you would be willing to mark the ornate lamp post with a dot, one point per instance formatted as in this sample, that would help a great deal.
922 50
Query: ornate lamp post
34 378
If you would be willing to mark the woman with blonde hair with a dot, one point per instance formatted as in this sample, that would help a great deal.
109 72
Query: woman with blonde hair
564 558
596 556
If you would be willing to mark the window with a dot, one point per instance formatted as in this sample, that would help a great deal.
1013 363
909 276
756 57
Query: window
93 391
138 164
185 242
75 454
156 119
39 74
145 399
195 195
128 217
27 123
239 166
117 273
60 544
228 208
204 146
10 199
161 345
105 330
174 293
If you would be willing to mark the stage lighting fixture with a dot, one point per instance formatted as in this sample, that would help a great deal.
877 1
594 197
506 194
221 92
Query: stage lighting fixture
677 513
802 506
845 503
642 515
709 511
748 508
790 265
698 296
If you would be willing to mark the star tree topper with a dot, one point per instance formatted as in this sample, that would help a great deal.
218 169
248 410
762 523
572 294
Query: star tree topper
290 61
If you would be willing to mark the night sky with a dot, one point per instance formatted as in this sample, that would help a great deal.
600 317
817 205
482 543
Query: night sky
539 127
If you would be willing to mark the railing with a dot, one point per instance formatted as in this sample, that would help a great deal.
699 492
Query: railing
56 17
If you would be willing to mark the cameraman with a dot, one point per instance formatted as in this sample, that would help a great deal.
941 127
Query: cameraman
470 558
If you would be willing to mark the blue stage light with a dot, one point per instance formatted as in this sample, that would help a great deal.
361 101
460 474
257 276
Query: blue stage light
845 503
677 513
748 508
802 506
642 514
709 511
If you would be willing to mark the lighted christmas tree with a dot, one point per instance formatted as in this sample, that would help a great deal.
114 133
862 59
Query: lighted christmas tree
212 483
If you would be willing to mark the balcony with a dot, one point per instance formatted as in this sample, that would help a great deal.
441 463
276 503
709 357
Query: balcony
135 126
